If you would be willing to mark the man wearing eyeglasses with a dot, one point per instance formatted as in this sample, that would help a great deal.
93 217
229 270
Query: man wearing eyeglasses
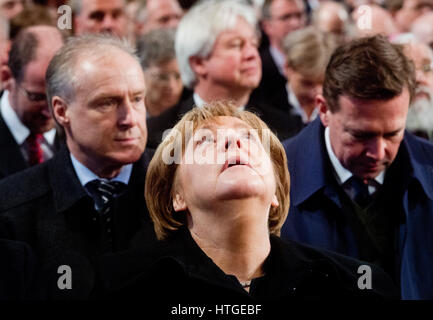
27 130
279 18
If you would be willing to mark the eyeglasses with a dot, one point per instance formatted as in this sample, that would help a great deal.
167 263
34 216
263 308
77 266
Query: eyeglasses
33 96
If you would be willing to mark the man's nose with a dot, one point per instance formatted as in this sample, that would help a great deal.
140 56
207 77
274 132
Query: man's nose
421 78
108 23
126 115
376 148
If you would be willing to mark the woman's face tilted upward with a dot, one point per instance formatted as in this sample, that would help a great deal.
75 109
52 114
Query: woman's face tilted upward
225 160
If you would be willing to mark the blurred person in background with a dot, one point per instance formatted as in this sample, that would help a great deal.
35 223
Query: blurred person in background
308 51
331 16
279 18
420 114
10 8
99 16
155 14
27 133
405 12
161 71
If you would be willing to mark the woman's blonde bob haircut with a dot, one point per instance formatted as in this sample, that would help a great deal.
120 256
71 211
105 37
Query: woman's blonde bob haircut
160 179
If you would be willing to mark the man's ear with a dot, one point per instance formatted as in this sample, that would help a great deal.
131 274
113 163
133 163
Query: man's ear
324 111
6 77
198 65
274 202
179 202
287 71
60 109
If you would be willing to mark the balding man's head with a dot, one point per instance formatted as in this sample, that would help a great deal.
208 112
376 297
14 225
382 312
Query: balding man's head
331 16
37 42
380 21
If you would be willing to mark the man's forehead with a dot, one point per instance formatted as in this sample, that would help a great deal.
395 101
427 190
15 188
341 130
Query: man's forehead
421 53
291 5
235 32
102 5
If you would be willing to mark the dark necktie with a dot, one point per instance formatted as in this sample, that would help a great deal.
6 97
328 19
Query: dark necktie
104 192
360 192
34 148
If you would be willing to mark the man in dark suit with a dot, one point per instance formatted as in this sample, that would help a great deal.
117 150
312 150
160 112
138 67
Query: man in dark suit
88 199
27 130
218 59
279 18
360 184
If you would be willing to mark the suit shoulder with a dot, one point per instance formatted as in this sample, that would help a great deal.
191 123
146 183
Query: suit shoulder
420 147
24 186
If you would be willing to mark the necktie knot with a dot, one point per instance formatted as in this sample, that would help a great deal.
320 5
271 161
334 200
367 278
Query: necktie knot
103 192
359 192
34 146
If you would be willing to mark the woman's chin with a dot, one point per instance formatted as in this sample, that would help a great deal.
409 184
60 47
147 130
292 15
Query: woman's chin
239 189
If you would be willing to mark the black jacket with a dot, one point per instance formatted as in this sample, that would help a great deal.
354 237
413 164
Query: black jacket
46 207
283 124
176 271
17 270
272 87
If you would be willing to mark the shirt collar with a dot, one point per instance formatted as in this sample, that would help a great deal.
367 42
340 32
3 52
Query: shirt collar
85 175
297 109
342 173
278 58
198 101
18 130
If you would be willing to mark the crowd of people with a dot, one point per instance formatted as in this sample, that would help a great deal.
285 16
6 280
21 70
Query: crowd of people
216 151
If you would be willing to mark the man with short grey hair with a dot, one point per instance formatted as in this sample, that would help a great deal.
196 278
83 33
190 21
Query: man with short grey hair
88 199
99 16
